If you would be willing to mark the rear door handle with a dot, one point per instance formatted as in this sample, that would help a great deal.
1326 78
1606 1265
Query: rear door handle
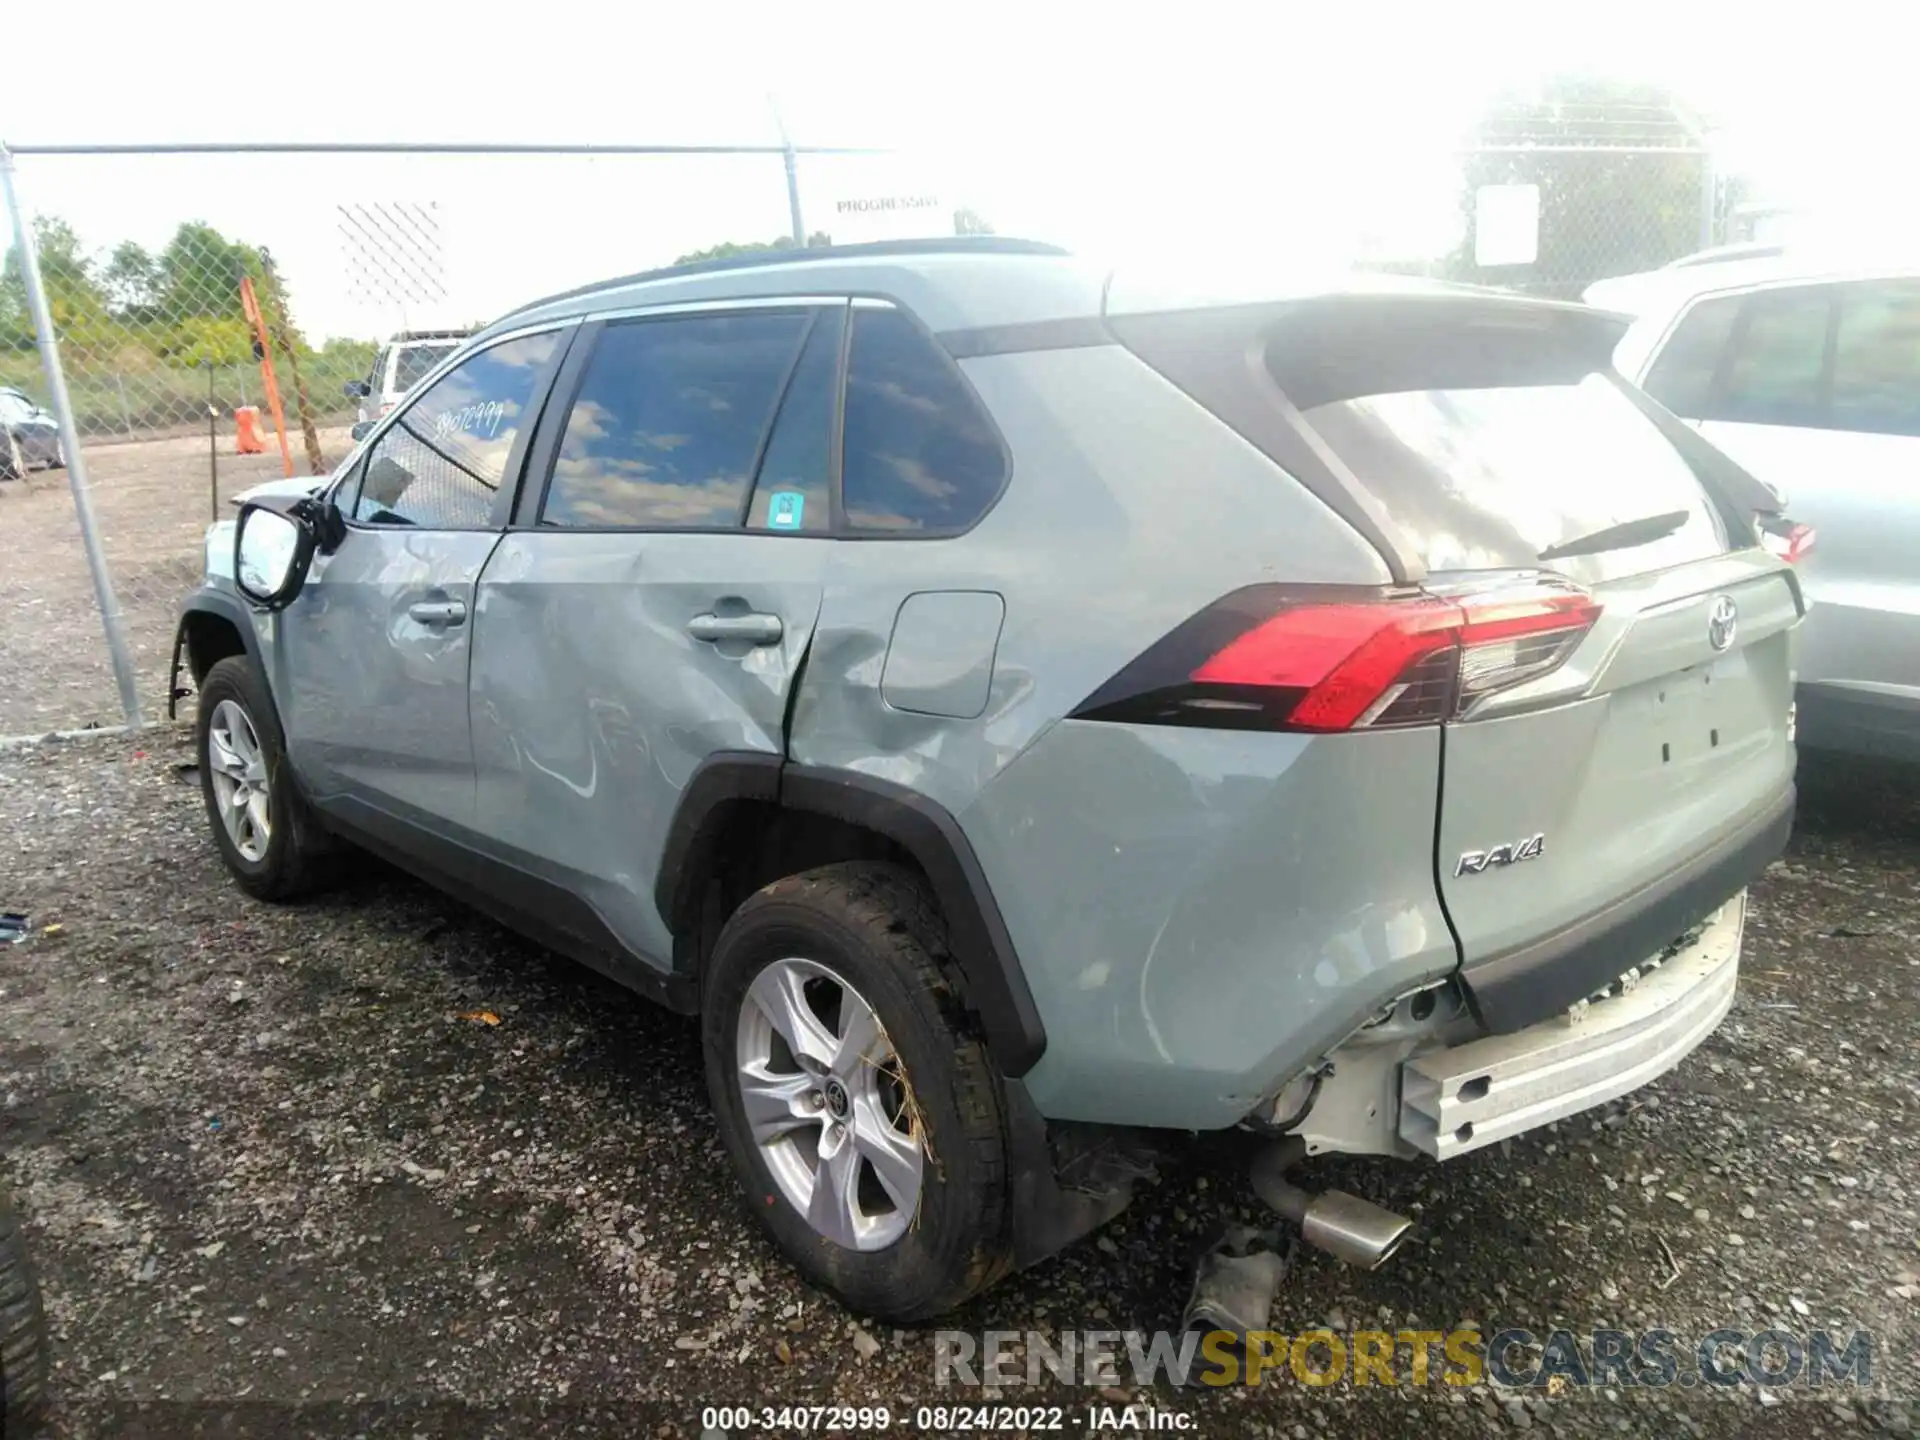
754 629
439 612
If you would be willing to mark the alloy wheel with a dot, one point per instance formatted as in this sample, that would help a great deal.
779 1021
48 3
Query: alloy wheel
237 763
828 1104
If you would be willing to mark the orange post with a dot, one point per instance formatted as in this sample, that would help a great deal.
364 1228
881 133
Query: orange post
247 439
252 307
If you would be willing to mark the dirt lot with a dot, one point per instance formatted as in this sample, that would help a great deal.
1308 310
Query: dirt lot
278 1184
153 500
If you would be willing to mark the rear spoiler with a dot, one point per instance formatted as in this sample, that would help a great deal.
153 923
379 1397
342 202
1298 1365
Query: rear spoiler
1258 366
1341 347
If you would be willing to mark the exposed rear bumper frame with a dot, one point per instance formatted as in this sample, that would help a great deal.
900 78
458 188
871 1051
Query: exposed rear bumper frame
1466 1096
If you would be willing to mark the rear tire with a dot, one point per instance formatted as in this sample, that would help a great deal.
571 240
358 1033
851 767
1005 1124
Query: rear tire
23 1331
269 838
872 930
13 465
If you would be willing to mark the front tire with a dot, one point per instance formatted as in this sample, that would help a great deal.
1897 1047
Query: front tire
266 834
854 1093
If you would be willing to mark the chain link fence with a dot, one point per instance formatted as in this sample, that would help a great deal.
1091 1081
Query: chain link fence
223 319
218 316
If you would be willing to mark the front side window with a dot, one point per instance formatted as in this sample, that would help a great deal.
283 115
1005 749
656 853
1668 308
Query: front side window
920 452
441 463
667 426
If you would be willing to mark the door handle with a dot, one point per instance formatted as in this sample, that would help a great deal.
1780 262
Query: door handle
439 612
754 629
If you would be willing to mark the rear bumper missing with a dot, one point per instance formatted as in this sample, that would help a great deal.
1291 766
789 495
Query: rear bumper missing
1462 1097
1538 981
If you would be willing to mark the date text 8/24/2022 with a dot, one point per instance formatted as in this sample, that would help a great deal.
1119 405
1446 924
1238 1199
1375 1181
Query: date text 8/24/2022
939 1419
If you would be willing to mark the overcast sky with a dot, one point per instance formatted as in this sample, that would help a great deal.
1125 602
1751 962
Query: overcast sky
1167 130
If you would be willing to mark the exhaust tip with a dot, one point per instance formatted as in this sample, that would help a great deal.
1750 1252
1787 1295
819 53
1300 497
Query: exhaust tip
1354 1230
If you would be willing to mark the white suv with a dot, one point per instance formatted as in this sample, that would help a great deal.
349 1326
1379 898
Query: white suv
1809 376
402 363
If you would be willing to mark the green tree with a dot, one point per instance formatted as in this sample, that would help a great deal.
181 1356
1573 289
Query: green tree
1623 179
728 249
74 297
199 273
132 281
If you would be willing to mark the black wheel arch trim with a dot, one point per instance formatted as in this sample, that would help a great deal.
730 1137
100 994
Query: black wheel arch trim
997 988
226 607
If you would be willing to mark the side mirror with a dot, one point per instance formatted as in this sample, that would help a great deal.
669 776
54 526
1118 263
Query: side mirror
356 389
361 430
271 552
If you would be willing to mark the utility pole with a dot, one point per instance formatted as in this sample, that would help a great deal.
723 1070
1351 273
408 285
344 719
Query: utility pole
792 161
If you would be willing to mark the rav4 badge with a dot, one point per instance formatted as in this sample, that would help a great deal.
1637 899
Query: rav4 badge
1474 861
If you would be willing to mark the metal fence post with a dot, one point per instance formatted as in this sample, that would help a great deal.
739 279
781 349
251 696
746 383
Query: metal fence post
126 414
70 440
1709 201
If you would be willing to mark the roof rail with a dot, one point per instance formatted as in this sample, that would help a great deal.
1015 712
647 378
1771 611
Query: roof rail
768 259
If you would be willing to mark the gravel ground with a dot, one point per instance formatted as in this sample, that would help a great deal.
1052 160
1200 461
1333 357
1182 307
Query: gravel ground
279 1182
152 501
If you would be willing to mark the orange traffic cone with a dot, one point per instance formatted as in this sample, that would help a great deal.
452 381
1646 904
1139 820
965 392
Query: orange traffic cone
247 437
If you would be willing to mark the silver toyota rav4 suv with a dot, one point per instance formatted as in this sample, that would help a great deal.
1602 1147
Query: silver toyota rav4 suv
1025 710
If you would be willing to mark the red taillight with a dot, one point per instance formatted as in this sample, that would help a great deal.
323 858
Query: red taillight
1789 540
1273 658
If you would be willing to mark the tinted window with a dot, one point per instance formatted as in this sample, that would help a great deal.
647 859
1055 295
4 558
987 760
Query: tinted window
1779 352
414 363
1876 361
1682 378
791 491
920 453
444 459
668 421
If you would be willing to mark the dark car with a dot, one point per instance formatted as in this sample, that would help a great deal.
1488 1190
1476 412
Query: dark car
29 437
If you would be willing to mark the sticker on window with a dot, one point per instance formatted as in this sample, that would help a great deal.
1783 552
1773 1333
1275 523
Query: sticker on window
784 509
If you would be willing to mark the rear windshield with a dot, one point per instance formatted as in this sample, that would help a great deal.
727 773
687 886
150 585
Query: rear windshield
413 363
1488 478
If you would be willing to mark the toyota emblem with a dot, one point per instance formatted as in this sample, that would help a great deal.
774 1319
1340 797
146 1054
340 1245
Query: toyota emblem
1722 622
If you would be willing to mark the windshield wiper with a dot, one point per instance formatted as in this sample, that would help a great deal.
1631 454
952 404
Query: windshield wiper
1623 536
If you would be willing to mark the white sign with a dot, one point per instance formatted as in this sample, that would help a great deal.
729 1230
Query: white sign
1506 225
883 215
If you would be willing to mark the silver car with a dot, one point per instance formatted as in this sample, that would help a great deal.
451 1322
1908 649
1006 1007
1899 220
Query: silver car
1808 374
1029 711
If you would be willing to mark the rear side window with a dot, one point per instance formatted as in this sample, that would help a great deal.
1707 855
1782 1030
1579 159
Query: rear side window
791 493
1488 478
1682 378
414 362
920 452
668 422
1774 375
1876 359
